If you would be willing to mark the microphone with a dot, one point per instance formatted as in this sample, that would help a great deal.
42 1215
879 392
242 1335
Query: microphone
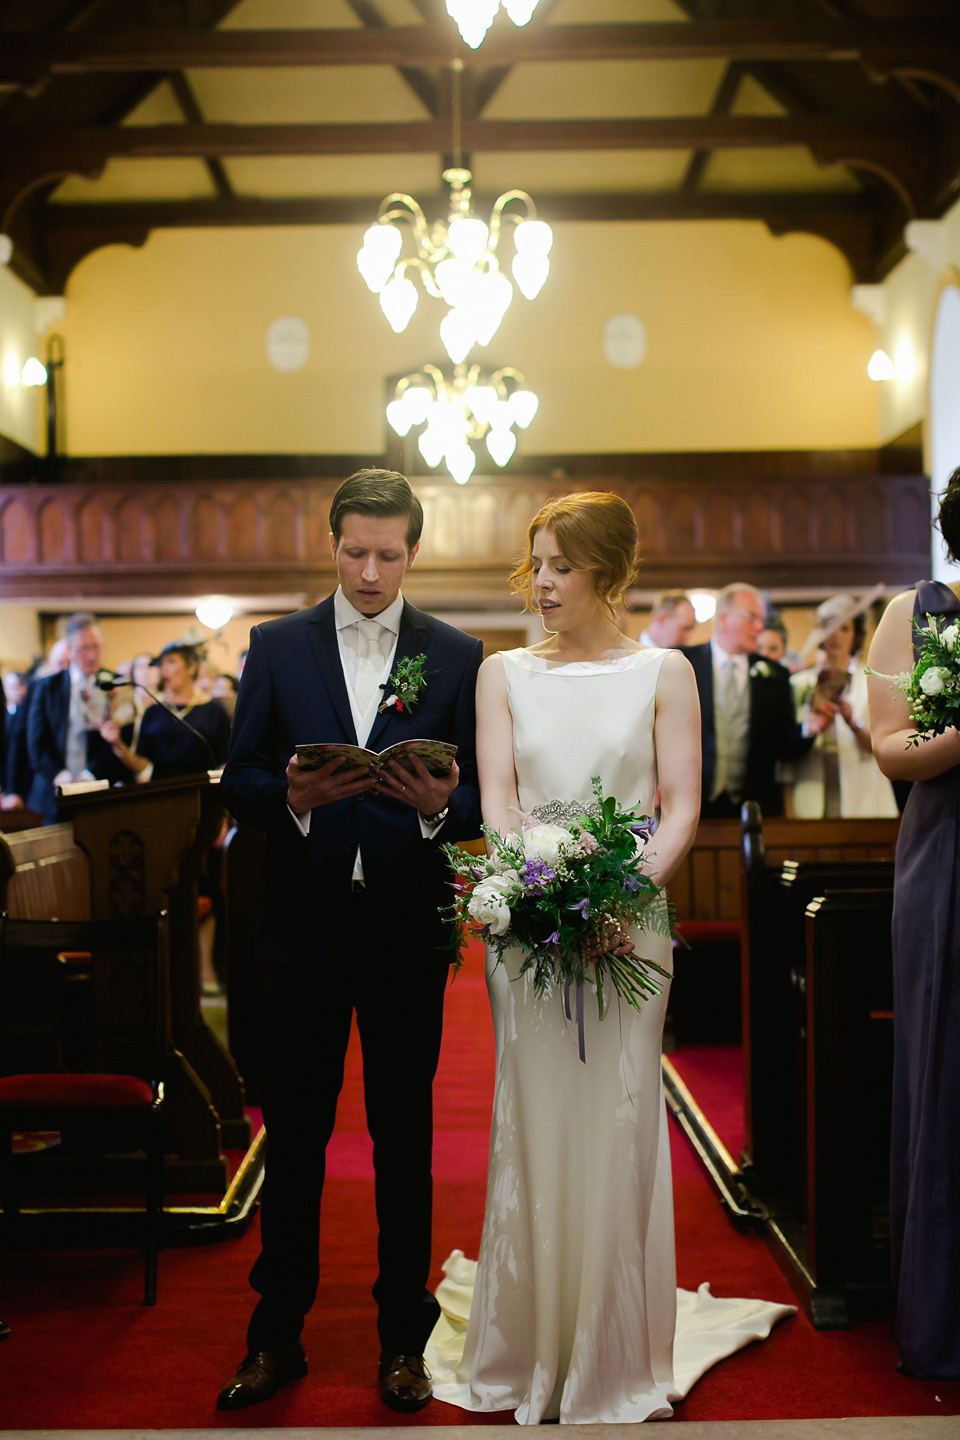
112 682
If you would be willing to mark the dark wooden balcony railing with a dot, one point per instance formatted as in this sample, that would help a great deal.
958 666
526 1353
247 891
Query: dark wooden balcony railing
801 528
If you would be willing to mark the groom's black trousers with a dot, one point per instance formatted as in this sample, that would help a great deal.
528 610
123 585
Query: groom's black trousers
365 959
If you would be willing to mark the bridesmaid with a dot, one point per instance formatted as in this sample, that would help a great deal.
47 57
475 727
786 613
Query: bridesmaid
925 1138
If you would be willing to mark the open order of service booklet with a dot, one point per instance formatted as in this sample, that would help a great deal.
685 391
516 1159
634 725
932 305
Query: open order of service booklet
436 755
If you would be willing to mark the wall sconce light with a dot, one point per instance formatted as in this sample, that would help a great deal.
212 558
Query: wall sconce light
880 366
214 612
33 374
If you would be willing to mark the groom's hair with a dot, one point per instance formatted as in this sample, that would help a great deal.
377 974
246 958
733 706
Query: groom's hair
381 493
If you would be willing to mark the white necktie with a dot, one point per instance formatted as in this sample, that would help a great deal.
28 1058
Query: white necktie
369 663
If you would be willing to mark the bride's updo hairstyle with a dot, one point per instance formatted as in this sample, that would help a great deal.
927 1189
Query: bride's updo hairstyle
595 531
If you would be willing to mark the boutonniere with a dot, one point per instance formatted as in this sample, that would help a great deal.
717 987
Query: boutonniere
762 669
405 685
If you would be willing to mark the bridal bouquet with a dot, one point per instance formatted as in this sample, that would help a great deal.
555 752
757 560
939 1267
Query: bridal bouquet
932 687
565 896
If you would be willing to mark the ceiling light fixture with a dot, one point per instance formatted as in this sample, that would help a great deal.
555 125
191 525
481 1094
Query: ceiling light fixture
457 259
474 17
214 612
455 410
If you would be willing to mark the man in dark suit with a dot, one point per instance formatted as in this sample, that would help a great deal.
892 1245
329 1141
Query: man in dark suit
746 710
65 711
352 883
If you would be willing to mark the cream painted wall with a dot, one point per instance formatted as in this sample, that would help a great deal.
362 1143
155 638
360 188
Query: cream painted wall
752 344
20 638
21 410
911 292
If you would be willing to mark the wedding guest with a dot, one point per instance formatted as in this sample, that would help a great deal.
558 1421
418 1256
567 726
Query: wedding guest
746 710
15 766
772 641
188 741
838 776
65 714
672 622
352 883
925 1133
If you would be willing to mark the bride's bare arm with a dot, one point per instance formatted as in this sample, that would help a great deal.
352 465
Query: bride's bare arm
891 723
498 778
677 738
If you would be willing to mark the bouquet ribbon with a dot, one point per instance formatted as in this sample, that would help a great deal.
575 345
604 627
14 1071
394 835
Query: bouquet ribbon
566 1011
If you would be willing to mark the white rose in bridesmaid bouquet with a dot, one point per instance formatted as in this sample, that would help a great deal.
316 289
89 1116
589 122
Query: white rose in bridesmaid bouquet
951 637
547 842
932 680
488 906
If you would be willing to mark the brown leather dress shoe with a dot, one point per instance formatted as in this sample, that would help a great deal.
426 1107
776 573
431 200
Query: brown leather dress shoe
261 1376
405 1382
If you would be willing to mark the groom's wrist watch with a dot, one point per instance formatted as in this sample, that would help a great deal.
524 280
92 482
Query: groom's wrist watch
435 819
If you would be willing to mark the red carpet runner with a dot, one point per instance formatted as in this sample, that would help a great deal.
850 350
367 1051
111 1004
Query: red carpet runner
84 1353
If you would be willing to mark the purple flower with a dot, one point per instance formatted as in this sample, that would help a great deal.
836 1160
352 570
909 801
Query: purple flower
631 884
642 831
583 906
536 876
554 939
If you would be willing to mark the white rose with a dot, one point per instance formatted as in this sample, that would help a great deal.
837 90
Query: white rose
487 905
931 681
951 636
547 842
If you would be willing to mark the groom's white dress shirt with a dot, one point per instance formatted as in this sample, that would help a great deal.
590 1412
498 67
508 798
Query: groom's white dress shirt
363 685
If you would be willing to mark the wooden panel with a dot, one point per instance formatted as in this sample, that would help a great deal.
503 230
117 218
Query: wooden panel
262 536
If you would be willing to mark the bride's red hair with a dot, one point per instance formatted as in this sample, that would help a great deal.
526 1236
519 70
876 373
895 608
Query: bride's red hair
595 531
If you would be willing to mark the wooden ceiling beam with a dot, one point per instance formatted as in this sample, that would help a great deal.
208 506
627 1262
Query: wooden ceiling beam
918 45
85 148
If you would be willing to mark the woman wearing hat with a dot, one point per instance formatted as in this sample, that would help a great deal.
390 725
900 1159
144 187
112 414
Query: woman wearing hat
186 735
839 775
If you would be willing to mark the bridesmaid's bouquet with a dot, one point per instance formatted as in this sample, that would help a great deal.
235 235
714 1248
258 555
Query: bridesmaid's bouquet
566 896
932 687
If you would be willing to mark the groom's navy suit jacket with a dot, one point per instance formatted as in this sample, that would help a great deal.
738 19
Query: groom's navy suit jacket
774 733
293 691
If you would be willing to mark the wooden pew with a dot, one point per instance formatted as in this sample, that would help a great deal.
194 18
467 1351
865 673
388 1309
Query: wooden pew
849 1007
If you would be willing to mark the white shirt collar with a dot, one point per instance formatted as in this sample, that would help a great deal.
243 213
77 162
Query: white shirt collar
77 676
346 614
721 656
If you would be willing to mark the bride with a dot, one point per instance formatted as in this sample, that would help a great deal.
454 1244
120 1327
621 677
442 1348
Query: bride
574 1308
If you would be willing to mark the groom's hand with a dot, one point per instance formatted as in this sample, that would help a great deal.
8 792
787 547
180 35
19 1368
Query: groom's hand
306 789
412 784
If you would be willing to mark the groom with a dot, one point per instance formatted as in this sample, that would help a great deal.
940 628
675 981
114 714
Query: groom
351 886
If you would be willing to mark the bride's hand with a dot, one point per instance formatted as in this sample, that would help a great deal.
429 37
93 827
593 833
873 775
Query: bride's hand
612 939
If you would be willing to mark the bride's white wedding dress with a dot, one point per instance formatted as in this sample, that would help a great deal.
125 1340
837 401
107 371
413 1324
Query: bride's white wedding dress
574 1311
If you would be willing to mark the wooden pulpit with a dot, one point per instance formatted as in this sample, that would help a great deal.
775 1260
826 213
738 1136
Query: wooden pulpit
146 845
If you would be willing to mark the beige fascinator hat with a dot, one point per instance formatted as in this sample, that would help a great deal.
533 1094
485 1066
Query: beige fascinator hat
836 612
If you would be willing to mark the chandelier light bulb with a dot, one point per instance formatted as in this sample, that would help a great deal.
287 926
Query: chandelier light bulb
461 462
430 446
399 418
530 273
482 400
419 400
467 238
458 334
520 11
378 255
490 303
398 301
501 445
523 405
474 18
455 281
533 237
